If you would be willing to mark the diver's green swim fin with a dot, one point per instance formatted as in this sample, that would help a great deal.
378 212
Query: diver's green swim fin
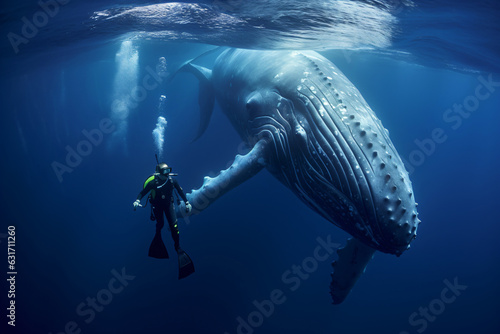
157 248
186 266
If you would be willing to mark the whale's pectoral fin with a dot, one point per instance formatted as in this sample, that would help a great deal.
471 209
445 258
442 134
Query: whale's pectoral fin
349 266
206 97
243 168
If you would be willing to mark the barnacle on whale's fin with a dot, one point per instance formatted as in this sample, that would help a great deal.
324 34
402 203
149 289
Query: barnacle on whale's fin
351 263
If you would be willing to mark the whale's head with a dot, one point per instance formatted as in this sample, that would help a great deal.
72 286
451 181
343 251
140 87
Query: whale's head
326 144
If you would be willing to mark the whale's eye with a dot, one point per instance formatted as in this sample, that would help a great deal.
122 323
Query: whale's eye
253 103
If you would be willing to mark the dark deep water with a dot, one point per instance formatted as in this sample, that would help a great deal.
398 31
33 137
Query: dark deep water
73 236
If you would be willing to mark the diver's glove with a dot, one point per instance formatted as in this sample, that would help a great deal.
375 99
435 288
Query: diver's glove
137 203
188 207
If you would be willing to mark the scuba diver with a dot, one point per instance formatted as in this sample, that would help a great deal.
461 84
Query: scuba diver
161 185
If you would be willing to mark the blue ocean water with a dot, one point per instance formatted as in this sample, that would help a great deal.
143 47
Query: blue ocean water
81 250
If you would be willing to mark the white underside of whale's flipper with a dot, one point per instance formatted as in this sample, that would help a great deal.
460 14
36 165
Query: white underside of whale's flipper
349 266
243 168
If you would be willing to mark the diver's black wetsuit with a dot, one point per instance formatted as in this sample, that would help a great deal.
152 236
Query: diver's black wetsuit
163 202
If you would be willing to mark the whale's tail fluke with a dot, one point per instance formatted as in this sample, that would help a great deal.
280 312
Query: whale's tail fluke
351 263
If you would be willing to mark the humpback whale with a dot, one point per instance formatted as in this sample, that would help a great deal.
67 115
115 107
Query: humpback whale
309 126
